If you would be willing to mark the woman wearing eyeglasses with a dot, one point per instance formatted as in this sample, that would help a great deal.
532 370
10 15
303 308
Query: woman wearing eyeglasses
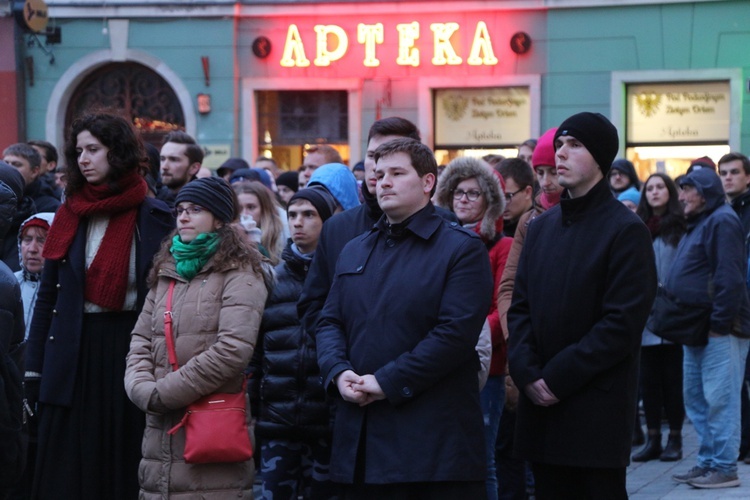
98 253
217 303
471 189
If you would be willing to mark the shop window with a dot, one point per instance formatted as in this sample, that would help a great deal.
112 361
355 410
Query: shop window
136 91
291 121
480 121
670 124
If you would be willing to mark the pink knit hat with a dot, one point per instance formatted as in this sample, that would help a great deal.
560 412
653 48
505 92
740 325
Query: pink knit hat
544 152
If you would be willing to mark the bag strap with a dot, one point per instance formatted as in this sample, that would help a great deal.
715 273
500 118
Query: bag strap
168 334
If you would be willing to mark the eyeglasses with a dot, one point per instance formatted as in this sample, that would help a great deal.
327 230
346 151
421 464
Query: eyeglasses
509 196
472 195
191 210
616 173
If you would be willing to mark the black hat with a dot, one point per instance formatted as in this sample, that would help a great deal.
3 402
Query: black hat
289 179
320 198
231 165
211 193
595 132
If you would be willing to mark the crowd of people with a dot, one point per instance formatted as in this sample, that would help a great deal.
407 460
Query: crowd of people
481 329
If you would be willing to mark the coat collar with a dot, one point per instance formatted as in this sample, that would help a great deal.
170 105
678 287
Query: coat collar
574 208
422 224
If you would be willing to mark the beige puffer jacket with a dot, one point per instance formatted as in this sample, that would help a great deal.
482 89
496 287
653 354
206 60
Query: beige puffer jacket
216 319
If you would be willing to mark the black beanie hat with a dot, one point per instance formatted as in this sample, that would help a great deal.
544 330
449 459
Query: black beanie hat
595 132
13 178
211 193
319 197
289 179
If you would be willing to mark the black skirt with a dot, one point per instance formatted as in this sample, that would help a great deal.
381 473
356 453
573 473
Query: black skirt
92 449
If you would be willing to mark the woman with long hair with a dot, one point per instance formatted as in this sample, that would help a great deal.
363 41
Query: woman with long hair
98 253
661 360
256 201
218 298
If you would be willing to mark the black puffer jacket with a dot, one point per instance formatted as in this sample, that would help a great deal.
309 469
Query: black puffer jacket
287 387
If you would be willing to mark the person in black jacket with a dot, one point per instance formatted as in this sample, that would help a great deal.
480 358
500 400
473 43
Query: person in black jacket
734 170
293 422
11 351
351 223
575 324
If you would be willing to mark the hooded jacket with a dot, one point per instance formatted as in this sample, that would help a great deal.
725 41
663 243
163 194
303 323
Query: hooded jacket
23 209
490 229
29 281
340 182
628 169
710 264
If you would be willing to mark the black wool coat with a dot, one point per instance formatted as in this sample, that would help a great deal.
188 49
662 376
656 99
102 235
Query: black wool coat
585 284
408 308
55 335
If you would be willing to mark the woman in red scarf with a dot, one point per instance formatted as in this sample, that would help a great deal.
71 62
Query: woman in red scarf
98 253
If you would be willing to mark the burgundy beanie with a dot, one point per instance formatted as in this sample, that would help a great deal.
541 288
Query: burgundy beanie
544 152
596 133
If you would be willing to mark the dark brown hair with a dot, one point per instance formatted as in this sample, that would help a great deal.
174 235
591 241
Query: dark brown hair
126 152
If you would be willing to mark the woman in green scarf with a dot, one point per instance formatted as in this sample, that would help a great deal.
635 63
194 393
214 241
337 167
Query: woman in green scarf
217 304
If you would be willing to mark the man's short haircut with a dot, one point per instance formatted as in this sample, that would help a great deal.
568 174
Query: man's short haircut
422 158
518 170
394 125
329 153
265 158
25 151
193 151
736 156
529 143
50 151
493 160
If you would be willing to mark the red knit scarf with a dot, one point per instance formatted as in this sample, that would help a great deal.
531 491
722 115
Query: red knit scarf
107 276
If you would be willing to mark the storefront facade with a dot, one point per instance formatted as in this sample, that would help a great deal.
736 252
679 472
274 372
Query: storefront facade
477 76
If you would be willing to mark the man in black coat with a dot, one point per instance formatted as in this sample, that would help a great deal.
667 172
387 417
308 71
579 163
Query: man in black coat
734 170
396 344
575 325
343 227
11 350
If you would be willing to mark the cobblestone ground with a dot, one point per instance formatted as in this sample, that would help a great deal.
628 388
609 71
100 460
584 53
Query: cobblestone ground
653 480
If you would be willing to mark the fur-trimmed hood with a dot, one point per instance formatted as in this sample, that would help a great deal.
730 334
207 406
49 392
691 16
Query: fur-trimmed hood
490 183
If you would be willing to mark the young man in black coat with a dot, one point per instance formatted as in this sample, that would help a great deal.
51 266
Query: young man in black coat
575 325
396 344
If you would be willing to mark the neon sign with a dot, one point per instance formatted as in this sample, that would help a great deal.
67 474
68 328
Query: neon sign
332 43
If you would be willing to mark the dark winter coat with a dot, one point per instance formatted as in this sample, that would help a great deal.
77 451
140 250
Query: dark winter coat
44 196
55 335
336 233
577 324
286 378
741 206
408 308
11 361
713 248
26 209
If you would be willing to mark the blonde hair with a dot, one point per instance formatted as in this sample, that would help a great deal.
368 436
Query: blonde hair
270 224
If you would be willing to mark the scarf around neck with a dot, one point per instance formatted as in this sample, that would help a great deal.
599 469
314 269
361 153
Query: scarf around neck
191 257
549 200
107 276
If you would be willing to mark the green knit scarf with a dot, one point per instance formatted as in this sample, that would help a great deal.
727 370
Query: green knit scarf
191 257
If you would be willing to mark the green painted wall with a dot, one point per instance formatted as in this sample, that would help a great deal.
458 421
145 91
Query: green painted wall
585 45
177 43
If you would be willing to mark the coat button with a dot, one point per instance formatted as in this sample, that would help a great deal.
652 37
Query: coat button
406 391
360 268
51 339
64 261
454 224
54 311
58 286
390 243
